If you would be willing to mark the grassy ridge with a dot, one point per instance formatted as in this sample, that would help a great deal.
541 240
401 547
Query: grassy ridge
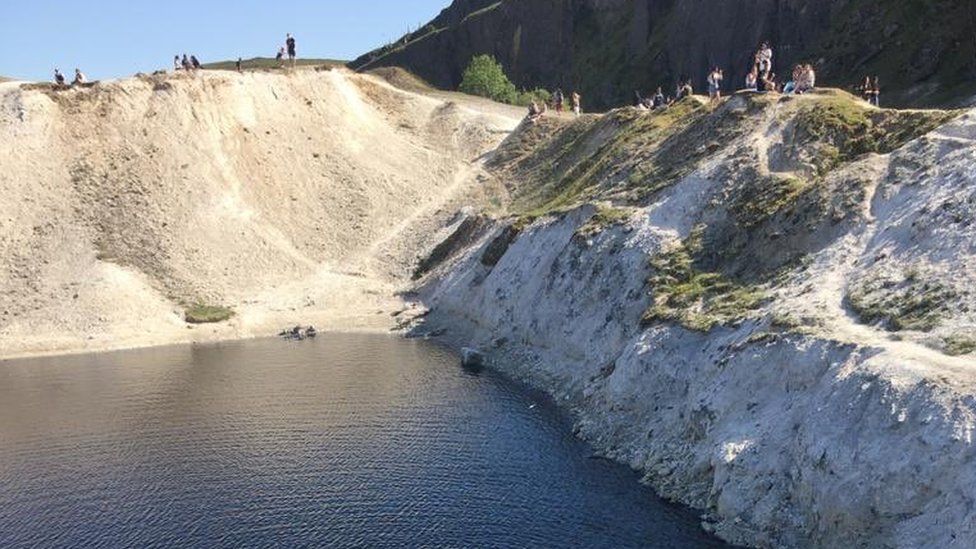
267 63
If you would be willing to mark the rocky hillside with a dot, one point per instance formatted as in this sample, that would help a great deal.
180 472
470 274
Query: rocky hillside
609 48
280 198
765 306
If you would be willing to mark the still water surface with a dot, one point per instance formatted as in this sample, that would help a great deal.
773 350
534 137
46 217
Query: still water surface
346 441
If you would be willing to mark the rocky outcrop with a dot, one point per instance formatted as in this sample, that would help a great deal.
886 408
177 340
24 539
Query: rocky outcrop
609 48
705 335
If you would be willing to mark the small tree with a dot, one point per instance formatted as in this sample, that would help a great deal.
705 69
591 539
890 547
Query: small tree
486 77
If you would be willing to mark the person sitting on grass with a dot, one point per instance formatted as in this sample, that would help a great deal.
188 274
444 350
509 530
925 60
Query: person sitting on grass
659 101
806 80
536 111
79 78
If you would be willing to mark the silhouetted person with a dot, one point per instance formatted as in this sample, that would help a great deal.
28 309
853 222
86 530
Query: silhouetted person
292 51
194 62
59 78
659 100
238 65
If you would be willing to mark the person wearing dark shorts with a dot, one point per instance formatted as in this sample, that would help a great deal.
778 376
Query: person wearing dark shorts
290 44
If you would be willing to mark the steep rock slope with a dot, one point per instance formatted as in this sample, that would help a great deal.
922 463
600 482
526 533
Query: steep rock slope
765 307
608 49
130 201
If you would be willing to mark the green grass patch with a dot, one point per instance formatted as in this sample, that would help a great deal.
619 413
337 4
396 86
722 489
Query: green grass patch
266 63
909 304
959 344
847 127
207 314
697 300
765 197
604 218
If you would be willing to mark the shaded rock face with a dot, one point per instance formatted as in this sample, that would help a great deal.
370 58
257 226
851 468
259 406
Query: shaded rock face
610 48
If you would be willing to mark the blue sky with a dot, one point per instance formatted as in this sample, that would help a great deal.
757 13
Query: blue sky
113 38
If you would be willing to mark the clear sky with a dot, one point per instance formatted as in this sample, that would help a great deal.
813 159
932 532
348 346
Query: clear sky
113 38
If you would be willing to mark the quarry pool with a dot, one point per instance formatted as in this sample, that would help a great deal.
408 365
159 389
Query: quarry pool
344 441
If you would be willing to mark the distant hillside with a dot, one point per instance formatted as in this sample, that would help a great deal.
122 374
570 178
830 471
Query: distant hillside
265 63
608 49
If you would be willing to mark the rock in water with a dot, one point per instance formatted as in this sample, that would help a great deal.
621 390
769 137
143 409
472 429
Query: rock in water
472 358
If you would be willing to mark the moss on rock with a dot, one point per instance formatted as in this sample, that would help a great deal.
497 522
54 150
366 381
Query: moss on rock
695 299
907 304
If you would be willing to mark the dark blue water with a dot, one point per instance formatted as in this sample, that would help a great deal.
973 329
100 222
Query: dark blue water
347 441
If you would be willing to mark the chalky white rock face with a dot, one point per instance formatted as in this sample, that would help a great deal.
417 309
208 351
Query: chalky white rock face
837 410
283 196
823 429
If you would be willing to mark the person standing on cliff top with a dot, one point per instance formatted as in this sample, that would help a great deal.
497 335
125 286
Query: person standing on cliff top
577 103
715 84
764 59
292 52
557 99
176 62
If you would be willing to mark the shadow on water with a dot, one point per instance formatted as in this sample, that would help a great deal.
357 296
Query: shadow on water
344 441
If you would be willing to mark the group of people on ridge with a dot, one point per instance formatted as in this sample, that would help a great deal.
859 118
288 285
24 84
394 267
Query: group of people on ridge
760 78
658 100
289 49
190 63
538 109
871 91
60 81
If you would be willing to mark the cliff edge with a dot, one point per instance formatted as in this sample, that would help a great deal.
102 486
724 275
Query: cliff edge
765 306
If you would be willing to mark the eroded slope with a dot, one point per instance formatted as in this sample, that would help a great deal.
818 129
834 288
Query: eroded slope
273 195
757 305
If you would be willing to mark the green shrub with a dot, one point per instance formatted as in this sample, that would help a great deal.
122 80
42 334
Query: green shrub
539 95
207 314
485 77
